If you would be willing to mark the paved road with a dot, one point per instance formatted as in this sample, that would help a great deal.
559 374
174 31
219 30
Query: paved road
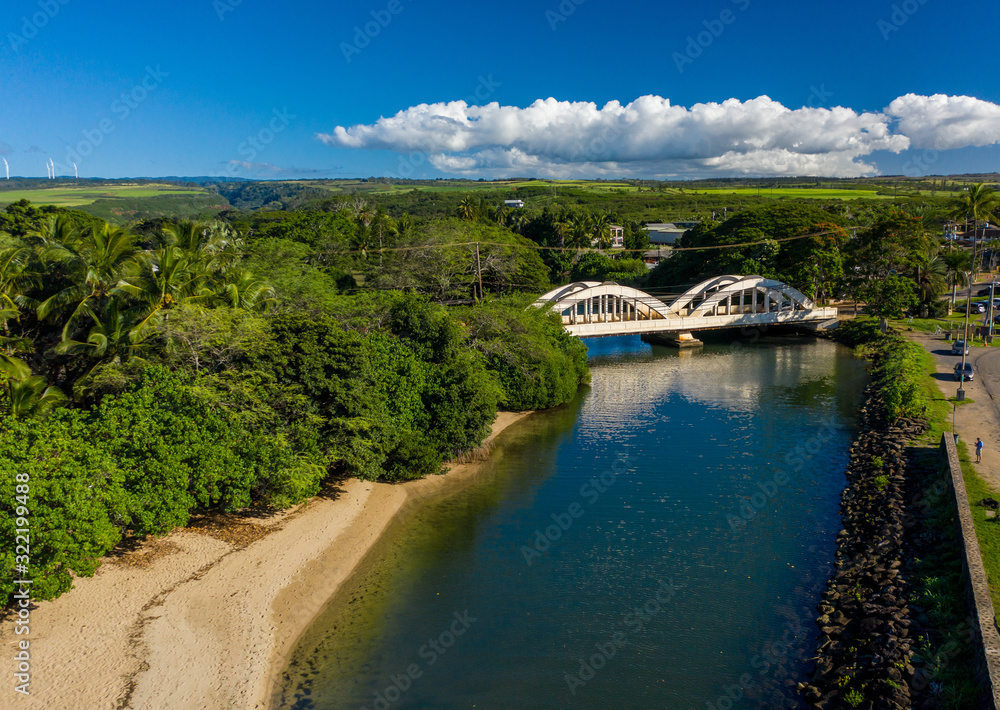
982 416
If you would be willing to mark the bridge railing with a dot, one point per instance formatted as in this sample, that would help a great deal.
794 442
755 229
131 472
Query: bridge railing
726 301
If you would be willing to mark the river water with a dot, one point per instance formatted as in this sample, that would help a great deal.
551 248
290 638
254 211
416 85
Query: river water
659 542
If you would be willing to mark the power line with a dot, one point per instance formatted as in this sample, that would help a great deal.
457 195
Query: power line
539 247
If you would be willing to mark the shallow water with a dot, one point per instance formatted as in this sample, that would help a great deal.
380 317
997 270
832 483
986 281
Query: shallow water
660 542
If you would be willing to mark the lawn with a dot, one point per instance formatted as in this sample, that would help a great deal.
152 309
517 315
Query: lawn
71 196
796 192
988 531
341 186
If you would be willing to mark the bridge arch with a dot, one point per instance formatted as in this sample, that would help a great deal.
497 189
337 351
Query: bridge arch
744 294
609 308
596 301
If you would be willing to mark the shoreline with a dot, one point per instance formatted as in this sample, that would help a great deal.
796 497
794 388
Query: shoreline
208 616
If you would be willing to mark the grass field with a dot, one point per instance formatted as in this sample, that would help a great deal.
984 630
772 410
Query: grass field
796 192
350 186
72 196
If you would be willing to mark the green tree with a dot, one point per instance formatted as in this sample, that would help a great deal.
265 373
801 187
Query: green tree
600 229
94 265
978 203
890 297
72 488
958 264
468 209
32 397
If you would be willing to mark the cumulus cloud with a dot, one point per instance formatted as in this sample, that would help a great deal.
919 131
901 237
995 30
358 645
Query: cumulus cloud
943 122
652 137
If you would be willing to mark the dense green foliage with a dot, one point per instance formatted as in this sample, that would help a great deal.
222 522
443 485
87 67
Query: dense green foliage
148 375
813 264
538 364
154 372
898 366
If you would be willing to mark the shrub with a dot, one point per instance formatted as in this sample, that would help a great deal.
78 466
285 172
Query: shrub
537 364
73 491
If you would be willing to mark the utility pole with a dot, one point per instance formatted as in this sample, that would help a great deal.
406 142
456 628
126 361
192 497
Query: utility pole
960 396
989 315
479 272
975 250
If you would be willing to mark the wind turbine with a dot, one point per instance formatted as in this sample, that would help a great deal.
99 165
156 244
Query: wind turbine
76 173
6 167
53 166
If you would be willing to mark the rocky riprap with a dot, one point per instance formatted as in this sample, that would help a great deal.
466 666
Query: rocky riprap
866 637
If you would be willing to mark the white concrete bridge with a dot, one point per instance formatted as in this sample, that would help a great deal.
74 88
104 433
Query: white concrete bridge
593 309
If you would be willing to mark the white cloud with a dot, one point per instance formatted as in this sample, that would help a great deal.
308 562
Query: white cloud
944 122
651 137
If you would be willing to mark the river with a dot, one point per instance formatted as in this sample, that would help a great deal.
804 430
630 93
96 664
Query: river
659 542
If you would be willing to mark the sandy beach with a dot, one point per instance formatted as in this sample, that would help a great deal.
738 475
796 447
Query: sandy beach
206 617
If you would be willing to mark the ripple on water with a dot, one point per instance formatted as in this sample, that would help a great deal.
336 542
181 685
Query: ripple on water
700 435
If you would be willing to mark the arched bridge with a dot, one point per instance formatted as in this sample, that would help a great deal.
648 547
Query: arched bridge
592 308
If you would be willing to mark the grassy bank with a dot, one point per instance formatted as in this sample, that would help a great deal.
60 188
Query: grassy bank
938 590
939 415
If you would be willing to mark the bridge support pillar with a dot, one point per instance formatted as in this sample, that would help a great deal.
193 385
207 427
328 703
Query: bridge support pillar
673 340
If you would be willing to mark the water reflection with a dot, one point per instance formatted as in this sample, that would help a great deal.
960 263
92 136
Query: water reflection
561 568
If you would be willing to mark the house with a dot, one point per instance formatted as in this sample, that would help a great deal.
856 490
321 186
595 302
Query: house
665 232
652 257
514 204
617 234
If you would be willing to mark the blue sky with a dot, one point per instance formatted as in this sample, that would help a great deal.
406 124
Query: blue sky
217 87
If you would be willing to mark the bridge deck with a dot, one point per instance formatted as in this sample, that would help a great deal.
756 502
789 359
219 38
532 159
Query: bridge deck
687 324
591 308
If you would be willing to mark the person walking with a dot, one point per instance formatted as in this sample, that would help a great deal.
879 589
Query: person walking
979 450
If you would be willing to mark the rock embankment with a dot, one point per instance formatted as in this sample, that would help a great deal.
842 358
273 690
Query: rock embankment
866 641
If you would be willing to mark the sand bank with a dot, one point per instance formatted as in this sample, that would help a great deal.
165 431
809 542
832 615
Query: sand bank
207 617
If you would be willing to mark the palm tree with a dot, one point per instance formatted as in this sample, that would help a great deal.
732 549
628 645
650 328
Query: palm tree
245 291
500 214
931 278
109 336
361 240
14 368
956 265
468 209
979 203
580 232
563 229
15 275
31 397
404 227
382 225
366 214
15 279
167 277
600 226
96 264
